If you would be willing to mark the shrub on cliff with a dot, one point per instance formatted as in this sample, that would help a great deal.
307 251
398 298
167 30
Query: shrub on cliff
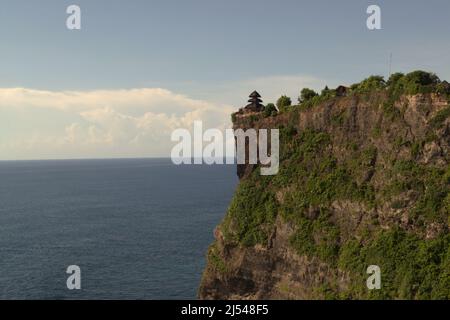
421 78
309 98
326 92
372 83
283 103
270 110
306 94
420 82
413 83
398 83
394 79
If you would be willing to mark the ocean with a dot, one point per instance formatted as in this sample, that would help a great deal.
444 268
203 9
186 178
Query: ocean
137 228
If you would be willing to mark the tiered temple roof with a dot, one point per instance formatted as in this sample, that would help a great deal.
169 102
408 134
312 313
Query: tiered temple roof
255 102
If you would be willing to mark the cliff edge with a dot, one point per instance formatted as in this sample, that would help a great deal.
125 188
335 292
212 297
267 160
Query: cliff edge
364 180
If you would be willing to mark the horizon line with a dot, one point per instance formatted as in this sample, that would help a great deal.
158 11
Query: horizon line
99 158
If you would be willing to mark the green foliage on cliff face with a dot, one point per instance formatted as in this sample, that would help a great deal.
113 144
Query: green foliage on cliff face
251 213
216 260
306 163
311 179
390 111
411 268
440 117
430 185
309 163
316 237
320 180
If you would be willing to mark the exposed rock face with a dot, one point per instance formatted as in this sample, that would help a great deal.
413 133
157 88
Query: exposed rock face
361 182
272 272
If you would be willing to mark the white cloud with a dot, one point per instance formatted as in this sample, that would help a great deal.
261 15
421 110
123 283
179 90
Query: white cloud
102 123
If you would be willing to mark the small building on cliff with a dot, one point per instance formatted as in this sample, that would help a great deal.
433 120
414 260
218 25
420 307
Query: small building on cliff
254 106
341 91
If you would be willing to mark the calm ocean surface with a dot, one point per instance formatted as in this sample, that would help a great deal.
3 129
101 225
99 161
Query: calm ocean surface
138 229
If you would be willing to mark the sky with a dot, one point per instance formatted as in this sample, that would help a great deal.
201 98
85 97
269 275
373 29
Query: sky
137 70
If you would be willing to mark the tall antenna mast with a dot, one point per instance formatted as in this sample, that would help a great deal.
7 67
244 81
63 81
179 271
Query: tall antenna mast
390 64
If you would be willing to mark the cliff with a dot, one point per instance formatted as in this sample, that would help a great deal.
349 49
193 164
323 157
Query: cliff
364 180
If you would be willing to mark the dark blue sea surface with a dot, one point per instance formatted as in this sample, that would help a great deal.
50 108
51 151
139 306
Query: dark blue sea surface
137 228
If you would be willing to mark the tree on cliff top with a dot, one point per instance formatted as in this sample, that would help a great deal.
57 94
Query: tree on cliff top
283 102
306 94
369 84
270 110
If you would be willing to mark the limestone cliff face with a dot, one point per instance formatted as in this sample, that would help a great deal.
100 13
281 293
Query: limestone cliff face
364 180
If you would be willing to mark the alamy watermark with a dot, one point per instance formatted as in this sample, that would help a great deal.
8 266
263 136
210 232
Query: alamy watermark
73 21
74 280
239 146
374 280
373 22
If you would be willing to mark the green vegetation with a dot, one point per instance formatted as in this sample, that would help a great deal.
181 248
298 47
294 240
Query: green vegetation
430 184
270 110
397 85
415 149
417 82
338 119
441 116
317 237
252 212
305 162
283 103
215 260
308 98
326 92
411 268
306 94
389 109
369 85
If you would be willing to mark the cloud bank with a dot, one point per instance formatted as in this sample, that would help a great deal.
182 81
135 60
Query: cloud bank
38 124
